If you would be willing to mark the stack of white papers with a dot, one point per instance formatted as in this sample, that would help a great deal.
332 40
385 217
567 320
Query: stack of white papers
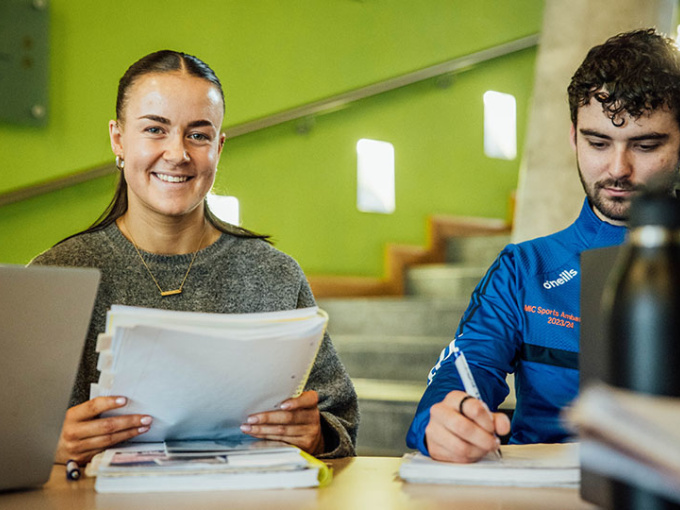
200 375
631 437
533 465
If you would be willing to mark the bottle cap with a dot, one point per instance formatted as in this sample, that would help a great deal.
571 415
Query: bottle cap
655 208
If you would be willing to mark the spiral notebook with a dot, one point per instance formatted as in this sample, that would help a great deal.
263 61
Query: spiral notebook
200 375
525 465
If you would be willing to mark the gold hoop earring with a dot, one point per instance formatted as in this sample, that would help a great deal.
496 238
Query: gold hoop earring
120 163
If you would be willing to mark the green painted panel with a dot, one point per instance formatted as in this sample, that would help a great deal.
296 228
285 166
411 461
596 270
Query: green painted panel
24 62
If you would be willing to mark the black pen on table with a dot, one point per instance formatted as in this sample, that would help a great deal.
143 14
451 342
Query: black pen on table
469 381
72 470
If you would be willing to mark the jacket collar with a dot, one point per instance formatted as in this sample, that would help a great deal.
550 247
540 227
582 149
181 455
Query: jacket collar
596 233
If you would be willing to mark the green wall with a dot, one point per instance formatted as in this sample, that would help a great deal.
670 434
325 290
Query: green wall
273 55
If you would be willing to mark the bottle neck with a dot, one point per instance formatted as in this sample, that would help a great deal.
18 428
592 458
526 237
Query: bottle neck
653 236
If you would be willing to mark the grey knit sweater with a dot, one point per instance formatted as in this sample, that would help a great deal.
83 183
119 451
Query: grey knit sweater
233 275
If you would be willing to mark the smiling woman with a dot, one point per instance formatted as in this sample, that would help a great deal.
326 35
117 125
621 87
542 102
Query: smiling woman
170 143
159 246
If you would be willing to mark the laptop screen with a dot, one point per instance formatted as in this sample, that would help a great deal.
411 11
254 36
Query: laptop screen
594 358
45 313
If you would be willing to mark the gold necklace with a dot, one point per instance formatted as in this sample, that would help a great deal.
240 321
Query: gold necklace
165 293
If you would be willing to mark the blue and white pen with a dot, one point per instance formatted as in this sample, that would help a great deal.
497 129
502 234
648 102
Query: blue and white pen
468 381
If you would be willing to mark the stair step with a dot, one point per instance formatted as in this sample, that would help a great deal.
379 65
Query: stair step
387 408
407 358
393 316
480 250
456 281
388 391
405 392
383 427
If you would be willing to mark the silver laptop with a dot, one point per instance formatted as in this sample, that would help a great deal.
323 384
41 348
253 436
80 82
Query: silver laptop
44 317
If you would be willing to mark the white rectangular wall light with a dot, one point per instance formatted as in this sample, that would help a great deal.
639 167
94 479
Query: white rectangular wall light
375 176
500 125
225 208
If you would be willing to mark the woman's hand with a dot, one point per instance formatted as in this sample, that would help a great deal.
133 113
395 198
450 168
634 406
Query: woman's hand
83 434
298 423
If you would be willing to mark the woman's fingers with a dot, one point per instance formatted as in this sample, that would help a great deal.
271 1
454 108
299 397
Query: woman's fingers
298 423
84 434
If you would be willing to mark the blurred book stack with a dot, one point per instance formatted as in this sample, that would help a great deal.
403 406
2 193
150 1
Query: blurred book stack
630 437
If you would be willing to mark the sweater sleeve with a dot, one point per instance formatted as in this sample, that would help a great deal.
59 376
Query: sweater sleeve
337 399
489 335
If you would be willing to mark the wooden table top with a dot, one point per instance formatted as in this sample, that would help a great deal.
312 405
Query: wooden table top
361 482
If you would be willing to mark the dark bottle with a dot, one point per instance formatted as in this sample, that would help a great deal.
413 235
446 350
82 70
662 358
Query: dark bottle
644 323
645 300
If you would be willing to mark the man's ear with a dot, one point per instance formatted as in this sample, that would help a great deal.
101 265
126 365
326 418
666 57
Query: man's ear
572 136
115 137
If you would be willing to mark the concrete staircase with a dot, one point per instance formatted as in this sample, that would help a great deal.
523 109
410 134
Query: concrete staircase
389 344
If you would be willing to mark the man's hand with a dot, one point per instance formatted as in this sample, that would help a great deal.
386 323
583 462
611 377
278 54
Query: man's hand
298 423
83 434
454 437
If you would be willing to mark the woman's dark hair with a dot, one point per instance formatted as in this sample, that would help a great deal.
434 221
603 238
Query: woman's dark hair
634 72
163 61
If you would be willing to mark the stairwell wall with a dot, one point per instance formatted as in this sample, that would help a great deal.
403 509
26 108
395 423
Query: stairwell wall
273 55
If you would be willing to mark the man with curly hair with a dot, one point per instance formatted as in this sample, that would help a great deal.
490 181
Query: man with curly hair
523 316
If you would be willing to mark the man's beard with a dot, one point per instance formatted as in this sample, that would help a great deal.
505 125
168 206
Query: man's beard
614 208
618 208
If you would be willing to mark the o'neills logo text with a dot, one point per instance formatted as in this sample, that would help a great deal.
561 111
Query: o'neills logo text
564 277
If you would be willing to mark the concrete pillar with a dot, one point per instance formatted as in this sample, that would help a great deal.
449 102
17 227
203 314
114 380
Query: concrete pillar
549 193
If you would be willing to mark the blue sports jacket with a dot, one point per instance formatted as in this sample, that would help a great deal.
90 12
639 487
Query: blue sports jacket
523 317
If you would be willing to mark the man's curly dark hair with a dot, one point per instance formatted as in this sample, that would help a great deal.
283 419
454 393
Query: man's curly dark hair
634 72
